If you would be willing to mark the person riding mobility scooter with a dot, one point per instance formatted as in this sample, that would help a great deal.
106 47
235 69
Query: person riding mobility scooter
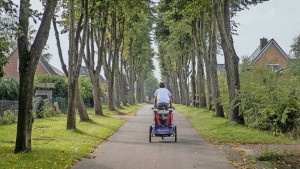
162 115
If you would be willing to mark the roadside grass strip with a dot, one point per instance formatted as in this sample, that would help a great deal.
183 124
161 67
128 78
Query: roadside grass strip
221 130
55 147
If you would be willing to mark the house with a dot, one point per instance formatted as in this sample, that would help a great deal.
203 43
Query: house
221 68
269 54
11 69
85 72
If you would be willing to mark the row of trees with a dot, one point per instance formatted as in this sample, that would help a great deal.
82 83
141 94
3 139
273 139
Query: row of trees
188 33
113 35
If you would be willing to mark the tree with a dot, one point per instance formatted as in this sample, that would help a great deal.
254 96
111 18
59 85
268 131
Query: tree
295 47
3 59
222 13
151 84
96 33
80 103
8 15
213 67
76 52
29 58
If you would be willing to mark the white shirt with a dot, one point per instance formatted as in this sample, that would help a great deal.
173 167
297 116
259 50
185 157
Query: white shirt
163 95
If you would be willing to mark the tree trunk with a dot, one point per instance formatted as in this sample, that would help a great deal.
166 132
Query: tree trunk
193 79
123 84
81 106
140 89
117 87
201 84
94 73
206 60
222 14
75 59
71 118
28 64
200 69
83 115
173 86
97 97
131 76
213 66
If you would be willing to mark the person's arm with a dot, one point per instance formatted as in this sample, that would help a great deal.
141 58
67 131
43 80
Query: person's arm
155 101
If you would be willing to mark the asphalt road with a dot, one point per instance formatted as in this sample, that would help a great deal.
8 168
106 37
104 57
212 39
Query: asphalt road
129 148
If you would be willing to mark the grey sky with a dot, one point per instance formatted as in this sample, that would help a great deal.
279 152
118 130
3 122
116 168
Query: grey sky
277 19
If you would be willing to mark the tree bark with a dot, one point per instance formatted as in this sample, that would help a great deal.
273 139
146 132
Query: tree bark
83 115
131 75
206 59
213 66
200 69
80 103
112 64
124 83
28 63
222 14
94 73
75 59
193 78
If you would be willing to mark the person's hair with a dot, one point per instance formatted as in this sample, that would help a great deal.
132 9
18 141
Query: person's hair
162 85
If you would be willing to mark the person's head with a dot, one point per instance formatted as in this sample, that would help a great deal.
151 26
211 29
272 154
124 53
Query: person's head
162 85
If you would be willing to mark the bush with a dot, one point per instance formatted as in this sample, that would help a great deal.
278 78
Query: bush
48 110
8 117
9 89
43 108
61 84
270 100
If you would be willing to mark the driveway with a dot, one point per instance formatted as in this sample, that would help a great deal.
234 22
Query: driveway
129 148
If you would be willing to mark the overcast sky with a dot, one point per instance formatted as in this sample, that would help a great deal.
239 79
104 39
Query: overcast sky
276 19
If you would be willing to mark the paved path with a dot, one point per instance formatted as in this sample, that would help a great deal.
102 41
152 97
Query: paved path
129 148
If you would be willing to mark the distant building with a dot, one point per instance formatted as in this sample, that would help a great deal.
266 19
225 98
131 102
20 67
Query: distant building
221 68
85 72
269 54
11 69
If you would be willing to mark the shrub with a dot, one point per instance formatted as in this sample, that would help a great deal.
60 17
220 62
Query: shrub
270 100
48 110
61 84
8 117
9 89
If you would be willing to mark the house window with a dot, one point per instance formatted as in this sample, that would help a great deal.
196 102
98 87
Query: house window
274 67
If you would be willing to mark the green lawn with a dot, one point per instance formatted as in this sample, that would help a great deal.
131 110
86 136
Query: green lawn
55 147
220 130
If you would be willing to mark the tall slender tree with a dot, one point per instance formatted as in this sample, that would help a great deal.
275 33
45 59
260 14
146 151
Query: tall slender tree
29 58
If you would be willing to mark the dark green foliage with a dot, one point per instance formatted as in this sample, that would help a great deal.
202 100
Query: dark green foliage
270 100
151 84
3 59
61 84
86 90
9 89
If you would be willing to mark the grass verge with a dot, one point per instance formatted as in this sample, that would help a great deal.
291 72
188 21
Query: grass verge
55 147
221 130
